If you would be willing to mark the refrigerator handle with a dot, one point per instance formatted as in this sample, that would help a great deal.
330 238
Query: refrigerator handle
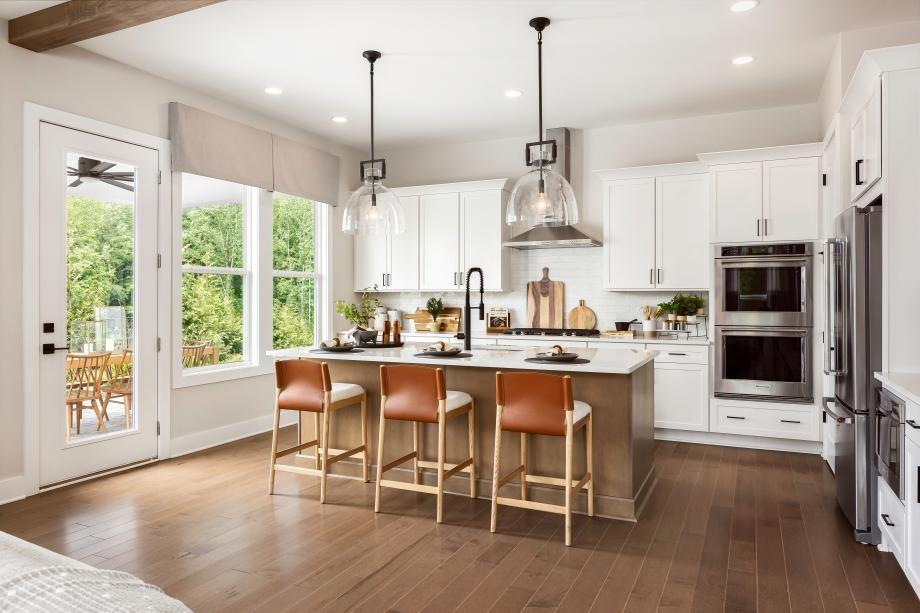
834 271
840 419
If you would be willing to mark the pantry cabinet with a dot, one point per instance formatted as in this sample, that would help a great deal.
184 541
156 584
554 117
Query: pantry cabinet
655 228
771 194
449 229
390 262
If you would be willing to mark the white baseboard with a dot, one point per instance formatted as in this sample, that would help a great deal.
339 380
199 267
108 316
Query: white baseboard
12 489
738 440
198 441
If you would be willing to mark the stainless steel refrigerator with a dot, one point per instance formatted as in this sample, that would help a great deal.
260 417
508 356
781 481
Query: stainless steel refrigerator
852 353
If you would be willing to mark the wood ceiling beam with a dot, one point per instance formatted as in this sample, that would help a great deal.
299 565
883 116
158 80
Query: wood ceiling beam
76 20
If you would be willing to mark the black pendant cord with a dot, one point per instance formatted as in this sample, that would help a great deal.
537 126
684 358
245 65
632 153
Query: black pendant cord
540 102
373 176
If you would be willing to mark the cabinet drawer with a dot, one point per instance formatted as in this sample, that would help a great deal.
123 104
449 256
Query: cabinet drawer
616 345
681 354
891 519
913 422
801 424
536 341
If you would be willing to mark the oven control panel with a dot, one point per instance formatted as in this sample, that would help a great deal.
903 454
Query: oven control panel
735 251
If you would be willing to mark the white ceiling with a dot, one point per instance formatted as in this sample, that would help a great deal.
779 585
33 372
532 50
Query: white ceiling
446 64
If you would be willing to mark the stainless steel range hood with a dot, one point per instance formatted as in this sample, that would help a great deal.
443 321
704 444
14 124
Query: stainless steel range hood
551 237
554 237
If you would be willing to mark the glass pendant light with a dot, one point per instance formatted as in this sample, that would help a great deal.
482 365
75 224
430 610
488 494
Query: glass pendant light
542 197
372 208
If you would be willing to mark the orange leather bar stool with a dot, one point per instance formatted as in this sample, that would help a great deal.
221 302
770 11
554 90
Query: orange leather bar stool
306 387
418 394
537 403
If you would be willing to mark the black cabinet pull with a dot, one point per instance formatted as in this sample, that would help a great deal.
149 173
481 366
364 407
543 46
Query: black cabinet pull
676 353
790 421
735 417
887 520
918 485
859 163
913 424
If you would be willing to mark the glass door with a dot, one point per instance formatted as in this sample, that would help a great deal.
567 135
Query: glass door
97 279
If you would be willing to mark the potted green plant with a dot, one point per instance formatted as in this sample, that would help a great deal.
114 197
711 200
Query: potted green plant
695 304
667 308
434 306
360 313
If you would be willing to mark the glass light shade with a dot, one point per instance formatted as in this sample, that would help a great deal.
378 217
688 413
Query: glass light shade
553 206
373 209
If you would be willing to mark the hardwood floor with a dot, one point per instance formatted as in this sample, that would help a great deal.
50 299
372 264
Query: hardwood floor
725 529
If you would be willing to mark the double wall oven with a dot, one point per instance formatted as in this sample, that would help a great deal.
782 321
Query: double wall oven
763 318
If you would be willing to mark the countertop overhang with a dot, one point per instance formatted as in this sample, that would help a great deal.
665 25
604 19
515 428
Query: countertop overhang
613 360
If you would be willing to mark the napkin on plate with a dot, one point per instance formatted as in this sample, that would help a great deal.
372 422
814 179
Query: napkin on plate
438 346
554 350
332 342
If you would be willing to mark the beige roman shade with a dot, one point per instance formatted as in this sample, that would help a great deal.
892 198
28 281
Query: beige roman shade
301 170
212 146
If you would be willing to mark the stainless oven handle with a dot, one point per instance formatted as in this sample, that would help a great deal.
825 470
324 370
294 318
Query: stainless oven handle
833 414
762 262
834 356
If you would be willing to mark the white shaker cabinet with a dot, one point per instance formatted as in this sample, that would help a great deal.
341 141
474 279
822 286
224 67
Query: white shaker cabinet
682 258
439 251
791 199
682 387
866 144
629 236
736 191
912 502
655 228
390 262
482 227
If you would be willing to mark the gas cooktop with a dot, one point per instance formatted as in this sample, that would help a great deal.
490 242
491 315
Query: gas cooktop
550 332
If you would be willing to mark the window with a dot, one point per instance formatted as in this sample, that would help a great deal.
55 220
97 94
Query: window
294 291
215 277
251 274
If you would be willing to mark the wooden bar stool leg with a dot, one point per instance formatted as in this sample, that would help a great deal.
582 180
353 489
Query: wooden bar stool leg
524 465
327 419
364 471
318 435
471 417
569 435
442 448
496 462
415 447
589 432
382 427
273 459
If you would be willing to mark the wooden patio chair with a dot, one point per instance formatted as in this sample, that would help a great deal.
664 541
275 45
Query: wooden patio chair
119 383
84 379
193 353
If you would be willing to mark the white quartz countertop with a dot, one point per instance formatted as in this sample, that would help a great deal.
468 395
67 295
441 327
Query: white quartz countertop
904 384
591 339
613 360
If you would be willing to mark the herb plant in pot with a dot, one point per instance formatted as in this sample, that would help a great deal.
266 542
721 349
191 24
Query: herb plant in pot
358 314
695 305
667 308
434 306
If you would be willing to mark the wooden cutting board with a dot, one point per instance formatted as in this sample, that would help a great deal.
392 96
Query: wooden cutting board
544 303
582 318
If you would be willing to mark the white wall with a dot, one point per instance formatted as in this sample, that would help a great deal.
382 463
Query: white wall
81 82
660 142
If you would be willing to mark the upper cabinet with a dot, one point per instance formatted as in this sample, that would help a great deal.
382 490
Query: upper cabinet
655 227
449 229
769 194
866 144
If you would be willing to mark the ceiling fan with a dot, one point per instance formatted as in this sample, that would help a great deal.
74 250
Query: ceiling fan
89 170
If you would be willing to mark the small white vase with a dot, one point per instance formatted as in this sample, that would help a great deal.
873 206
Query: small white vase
648 325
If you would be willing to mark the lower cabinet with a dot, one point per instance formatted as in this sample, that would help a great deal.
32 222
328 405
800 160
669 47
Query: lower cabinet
762 419
682 387
891 520
911 562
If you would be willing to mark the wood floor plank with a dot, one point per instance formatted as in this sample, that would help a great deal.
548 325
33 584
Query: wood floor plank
723 530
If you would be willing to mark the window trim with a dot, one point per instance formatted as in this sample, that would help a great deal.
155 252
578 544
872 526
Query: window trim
257 289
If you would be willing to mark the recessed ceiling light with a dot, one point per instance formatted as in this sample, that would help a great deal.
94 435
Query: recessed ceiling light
274 91
743 5
513 93
741 60
339 119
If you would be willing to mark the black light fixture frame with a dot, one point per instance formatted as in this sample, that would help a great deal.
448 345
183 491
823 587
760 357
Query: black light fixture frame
528 151
372 56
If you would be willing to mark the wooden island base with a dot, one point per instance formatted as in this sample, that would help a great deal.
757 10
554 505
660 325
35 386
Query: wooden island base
624 467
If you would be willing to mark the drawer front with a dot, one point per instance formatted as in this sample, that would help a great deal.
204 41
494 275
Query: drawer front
891 519
617 345
536 341
681 354
800 424
913 422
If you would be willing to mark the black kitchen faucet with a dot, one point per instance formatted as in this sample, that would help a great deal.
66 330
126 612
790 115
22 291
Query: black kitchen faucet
467 334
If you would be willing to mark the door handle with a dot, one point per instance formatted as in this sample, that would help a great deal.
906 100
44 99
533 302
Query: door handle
651 276
859 163
766 226
887 520
830 412
758 226
49 348
659 275
675 353
913 424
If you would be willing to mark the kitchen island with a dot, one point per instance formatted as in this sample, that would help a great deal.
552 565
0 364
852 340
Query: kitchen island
617 382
